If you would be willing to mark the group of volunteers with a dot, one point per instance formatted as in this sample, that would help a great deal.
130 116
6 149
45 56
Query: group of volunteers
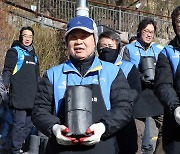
99 100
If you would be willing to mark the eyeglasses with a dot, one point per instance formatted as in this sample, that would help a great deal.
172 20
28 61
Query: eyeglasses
177 21
26 36
146 31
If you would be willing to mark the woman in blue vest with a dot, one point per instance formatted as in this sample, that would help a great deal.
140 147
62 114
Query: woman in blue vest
144 53
110 96
108 49
20 74
167 83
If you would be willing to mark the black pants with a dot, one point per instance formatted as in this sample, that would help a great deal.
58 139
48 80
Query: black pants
22 126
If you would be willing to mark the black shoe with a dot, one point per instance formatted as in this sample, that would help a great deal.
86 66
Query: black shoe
147 150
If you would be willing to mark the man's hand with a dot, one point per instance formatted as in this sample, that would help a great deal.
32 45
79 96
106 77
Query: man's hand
58 131
97 130
144 80
177 115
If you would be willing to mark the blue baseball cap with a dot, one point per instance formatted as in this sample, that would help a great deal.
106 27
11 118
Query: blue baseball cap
83 23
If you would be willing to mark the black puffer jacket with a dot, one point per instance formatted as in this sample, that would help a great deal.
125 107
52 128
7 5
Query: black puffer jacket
165 84
22 81
115 119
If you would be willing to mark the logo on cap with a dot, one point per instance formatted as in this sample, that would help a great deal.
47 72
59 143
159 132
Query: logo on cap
78 22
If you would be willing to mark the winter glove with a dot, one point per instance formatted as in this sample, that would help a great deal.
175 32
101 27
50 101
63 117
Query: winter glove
97 130
3 91
144 80
177 115
58 131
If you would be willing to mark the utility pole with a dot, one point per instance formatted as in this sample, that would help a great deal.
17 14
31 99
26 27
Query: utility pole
38 6
82 8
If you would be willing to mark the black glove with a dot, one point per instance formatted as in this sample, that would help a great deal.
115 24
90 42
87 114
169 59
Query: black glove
3 91
144 80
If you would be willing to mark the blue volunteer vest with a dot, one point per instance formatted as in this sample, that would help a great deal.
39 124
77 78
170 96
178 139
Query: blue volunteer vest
100 72
136 51
21 54
173 55
124 65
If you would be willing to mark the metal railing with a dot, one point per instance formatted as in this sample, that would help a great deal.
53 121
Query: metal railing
111 16
121 19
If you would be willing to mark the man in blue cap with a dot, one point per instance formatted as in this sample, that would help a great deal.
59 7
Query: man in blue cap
111 98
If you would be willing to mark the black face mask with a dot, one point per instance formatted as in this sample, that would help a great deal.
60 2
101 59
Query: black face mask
108 54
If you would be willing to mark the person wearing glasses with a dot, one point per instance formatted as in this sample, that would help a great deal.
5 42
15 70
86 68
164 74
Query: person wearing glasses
167 85
144 53
20 75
